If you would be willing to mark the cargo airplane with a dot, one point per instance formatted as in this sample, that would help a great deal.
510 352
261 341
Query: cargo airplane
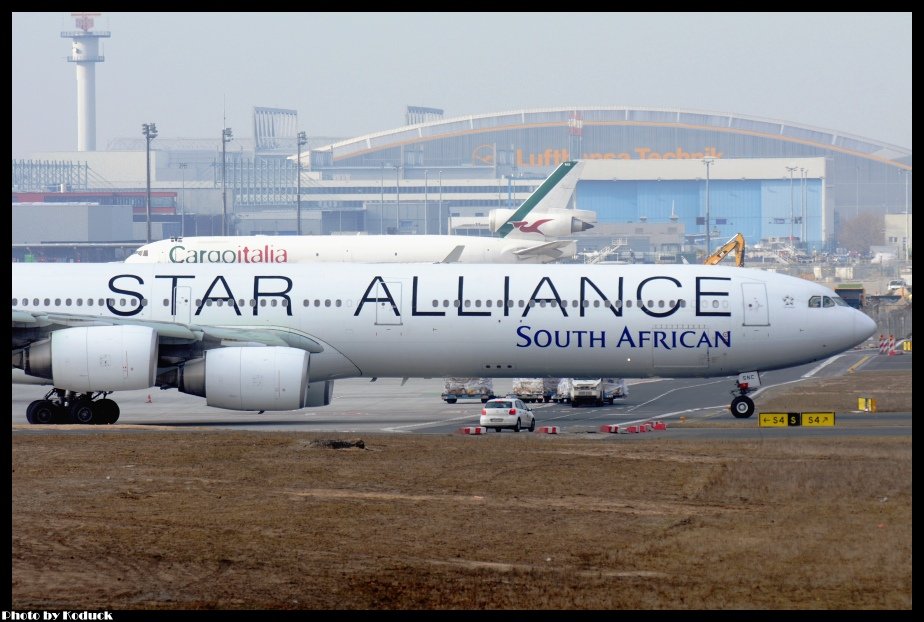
261 337
525 236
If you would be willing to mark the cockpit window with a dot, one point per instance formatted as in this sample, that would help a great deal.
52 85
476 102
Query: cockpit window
816 302
839 301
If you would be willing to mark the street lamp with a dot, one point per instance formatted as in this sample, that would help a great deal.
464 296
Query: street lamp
858 189
302 140
907 174
708 162
225 139
792 213
397 199
183 166
382 203
150 133
441 202
426 205
803 181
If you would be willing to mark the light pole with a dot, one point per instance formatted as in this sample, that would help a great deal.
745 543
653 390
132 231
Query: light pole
426 205
225 139
382 203
708 162
150 133
183 166
397 199
441 202
858 189
802 183
907 174
792 208
301 140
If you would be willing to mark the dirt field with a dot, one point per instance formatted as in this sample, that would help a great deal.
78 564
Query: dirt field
122 520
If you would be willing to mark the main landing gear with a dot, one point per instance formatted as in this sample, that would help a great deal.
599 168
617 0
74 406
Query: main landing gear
60 406
742 406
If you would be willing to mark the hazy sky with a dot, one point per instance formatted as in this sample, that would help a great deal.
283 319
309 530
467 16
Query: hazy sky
352 73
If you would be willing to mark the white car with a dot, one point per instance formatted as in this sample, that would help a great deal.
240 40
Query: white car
507 412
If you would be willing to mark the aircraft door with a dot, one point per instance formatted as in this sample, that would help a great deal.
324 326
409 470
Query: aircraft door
182 305
388 303
756 310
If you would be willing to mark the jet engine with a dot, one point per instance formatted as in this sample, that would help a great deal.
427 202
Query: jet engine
320 393
253 378
548 224
94 358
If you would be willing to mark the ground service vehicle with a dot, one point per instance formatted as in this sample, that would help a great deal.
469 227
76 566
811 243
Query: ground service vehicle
562 391
597 391
456 389
534 389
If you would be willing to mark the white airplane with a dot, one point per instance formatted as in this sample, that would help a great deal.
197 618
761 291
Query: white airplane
257 337
525 237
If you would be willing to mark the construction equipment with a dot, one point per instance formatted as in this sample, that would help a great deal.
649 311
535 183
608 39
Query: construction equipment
735 244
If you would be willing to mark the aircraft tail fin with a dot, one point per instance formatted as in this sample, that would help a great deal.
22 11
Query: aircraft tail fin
554 192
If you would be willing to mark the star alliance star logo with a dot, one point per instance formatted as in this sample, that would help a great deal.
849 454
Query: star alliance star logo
788 301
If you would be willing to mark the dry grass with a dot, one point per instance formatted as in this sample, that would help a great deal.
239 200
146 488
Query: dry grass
891 390
238 520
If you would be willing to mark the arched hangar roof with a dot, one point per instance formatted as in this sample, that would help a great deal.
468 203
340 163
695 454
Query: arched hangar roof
832 140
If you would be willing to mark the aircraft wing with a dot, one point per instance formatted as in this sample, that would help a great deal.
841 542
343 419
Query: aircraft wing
555 249
182 341
454 254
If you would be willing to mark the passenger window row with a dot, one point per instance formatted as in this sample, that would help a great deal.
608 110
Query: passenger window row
275 301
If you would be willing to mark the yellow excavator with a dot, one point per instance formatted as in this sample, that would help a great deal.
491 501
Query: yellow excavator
735 244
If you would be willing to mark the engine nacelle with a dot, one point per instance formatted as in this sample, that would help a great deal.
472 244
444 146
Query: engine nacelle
551 223
250 378
95 358
320 393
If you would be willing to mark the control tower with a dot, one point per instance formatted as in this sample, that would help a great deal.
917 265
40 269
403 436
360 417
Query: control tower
85 52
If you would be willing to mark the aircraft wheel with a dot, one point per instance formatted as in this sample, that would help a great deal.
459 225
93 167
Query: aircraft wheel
29 410
108 411
83 412
742 407
43 412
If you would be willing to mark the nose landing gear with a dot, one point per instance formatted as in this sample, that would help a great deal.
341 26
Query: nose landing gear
742 406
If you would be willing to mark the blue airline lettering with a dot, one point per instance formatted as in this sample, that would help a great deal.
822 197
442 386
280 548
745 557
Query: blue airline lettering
545 291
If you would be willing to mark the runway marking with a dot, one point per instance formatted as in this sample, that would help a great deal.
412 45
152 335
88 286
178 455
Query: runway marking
657 397
818 368
404 428
854 367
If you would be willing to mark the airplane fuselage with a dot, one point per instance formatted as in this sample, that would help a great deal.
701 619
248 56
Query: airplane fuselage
419 320
354 249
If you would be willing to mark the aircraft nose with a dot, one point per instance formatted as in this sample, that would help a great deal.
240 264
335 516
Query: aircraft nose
864 327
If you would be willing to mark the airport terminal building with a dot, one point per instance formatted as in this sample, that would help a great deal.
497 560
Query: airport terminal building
768 179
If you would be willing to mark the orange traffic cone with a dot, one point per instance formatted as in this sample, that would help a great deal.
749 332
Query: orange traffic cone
148 401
